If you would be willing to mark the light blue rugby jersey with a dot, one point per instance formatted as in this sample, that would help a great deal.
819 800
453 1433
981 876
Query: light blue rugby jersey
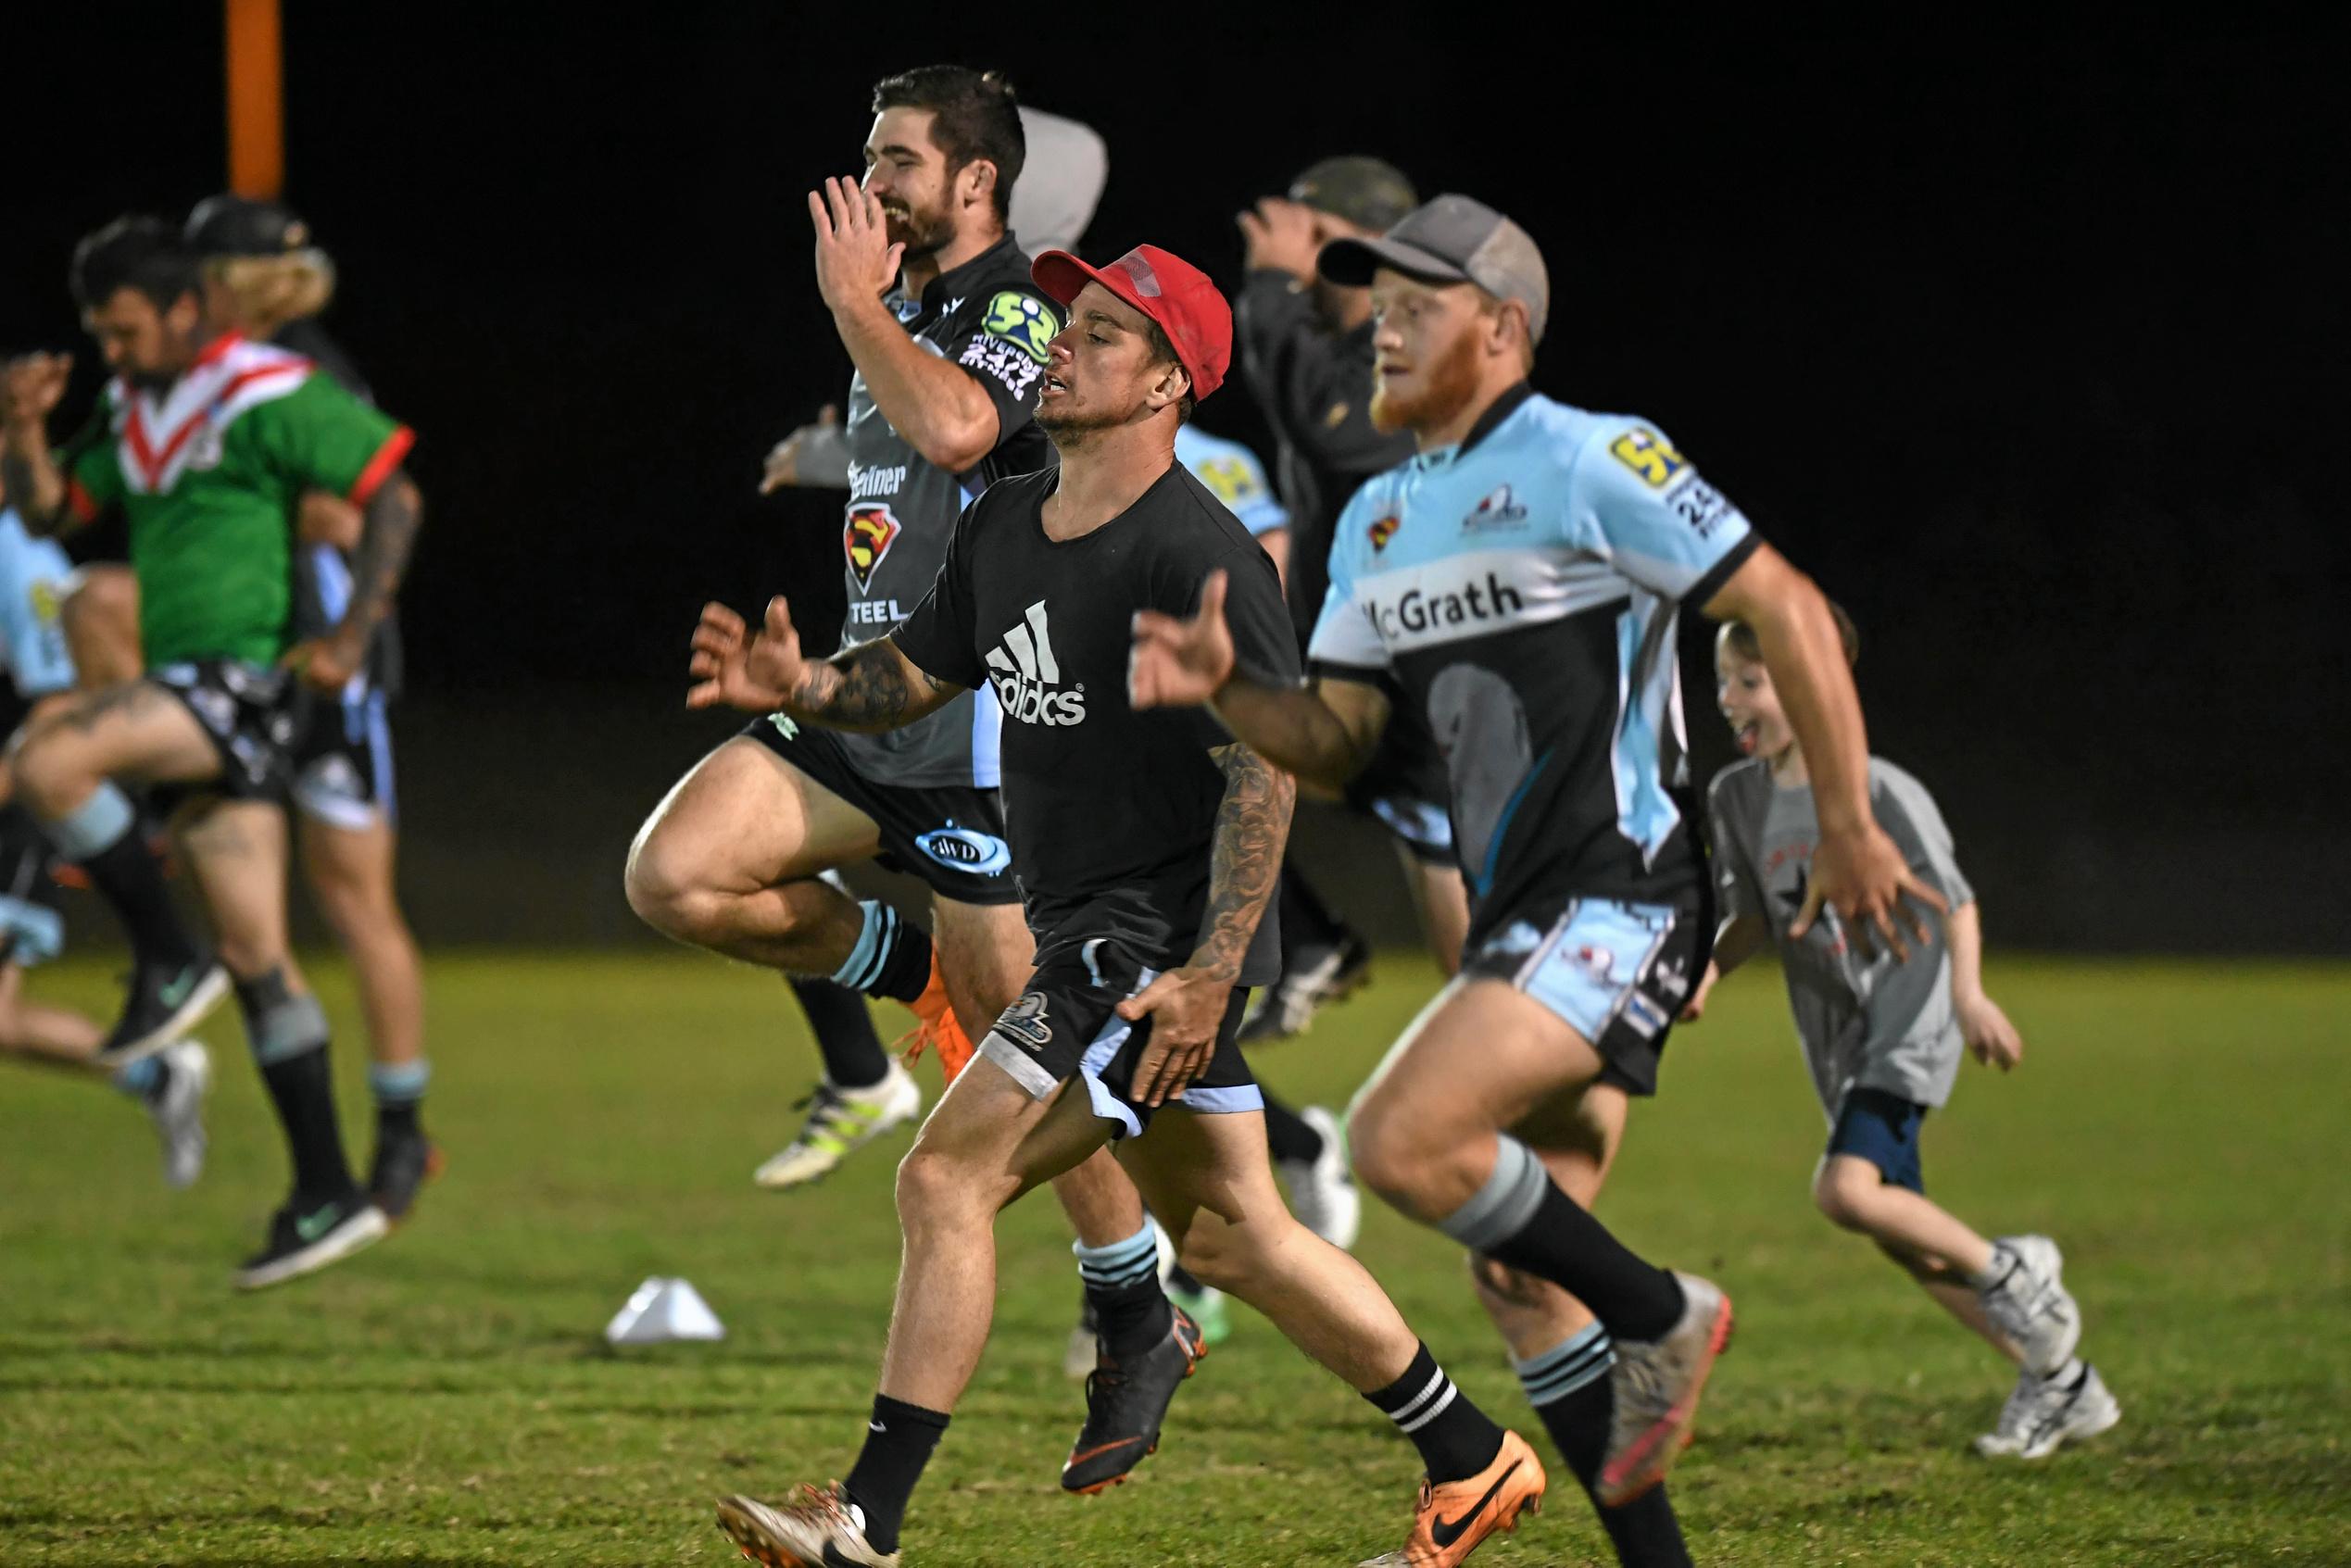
32 585
1523 589
1233 475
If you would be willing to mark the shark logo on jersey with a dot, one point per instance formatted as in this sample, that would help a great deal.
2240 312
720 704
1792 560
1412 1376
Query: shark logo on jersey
1024 1021
870 531
1028 678
1383 531
1498 510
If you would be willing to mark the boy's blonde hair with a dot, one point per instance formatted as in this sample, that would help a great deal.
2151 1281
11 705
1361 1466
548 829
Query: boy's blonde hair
1740 637
270 291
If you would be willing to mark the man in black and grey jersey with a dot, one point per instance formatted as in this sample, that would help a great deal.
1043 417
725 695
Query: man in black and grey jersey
932 298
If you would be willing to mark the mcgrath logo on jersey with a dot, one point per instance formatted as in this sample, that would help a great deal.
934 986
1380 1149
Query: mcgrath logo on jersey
1018 318
965 850
870 531
1498 510
1383 531
1024 1022
1649 455
1028 678
1229 479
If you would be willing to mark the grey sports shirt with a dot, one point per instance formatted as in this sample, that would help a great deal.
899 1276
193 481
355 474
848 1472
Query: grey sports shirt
1875 1024
989 318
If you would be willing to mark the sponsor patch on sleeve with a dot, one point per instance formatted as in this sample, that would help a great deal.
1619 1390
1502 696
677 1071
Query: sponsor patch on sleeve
1023 320
1649 455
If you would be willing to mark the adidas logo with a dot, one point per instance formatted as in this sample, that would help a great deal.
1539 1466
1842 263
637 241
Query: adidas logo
1027 677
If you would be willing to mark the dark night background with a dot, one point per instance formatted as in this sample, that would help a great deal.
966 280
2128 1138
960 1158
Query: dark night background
2028 344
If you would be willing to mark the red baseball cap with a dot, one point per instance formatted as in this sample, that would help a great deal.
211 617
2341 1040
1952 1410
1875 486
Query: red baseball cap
1165 287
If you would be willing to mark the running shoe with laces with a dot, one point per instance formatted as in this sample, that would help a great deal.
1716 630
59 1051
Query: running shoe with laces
2029 1302
1126 1403
176 1104
2043 1413
309 1234
840 1122
818 1528
165 1001
1320 977
1656 1385
1449 1520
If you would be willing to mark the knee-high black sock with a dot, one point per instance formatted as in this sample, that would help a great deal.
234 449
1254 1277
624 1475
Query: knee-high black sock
1288 1135
131 878
1455 1438
844 1030
1521 1217
892 958
1307 922
289 1039
1131 1312
900 1440
1568 1386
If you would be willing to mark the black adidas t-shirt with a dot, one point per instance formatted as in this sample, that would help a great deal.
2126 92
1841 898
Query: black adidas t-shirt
1112 813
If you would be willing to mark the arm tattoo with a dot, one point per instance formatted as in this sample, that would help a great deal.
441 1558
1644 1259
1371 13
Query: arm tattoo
393 517
1252 827
869 686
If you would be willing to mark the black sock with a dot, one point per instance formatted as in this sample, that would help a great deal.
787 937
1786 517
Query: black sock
1455 1438
289 1039
398 1118
844 1030
1570 1390
1131 1312
1288 1135
898 1442
1307 922
892 958
131 877
1565 1245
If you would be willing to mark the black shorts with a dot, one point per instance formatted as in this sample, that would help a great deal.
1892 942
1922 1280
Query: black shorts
1066 1026
1406 788
1617 972
254 715
950 836
342 768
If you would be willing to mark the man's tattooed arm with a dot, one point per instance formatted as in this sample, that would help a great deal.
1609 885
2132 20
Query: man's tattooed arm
1252 825
386 538
867 687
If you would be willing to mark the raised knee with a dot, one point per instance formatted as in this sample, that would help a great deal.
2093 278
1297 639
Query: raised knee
45 775
664 891
1842 1194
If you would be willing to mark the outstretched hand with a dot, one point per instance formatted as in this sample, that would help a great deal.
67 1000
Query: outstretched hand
1989 1033
1864 878
785 463
1177 662
856 262
735 668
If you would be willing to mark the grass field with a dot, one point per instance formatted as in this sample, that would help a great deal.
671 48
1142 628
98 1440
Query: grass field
446 1400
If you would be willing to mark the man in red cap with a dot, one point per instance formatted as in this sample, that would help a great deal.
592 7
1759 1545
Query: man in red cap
1147 845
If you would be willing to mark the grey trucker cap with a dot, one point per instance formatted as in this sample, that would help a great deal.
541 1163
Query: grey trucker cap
1451 239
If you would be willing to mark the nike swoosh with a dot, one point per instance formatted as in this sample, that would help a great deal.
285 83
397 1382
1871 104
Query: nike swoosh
1445 1532
1122 1443
171 996
311 1227
876 1426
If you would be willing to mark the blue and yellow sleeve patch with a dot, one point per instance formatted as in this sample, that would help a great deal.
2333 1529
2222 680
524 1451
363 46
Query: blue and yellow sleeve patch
1649 455
1023 320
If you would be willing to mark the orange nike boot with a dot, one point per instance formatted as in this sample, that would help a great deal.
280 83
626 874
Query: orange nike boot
1452 1519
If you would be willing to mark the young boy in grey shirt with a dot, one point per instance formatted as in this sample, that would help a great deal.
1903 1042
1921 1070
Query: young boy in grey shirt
1883 1041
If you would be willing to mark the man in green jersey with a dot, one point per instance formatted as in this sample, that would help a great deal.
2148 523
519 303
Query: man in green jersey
206 442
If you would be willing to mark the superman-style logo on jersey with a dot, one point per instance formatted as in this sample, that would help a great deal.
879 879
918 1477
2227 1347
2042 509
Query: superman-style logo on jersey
870 531
1649 455
1383 531
1020 320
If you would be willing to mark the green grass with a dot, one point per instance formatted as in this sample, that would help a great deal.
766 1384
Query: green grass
446 1399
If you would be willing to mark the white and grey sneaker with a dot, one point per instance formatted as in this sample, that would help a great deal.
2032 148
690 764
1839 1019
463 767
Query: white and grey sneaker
815 1528
176 1103
2029 1302
1655 1385
1321 1190
1288 1005
839 1122
2043 1413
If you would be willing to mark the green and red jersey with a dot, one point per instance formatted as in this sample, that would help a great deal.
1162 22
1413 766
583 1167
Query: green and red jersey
209 474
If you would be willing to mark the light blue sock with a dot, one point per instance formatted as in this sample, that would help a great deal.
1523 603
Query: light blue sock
1120 1263
140 1078
95 826
401 1084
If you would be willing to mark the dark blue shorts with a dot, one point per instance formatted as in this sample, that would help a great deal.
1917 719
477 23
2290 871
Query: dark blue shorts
1883 1129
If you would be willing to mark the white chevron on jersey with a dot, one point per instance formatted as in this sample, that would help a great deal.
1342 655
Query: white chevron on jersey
158 439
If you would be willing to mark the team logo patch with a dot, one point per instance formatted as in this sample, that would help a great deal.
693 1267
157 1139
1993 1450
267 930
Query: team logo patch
1228 478
1383 531
1598 963
966 849
1500 509
1018 318
1028 678
1026 1022
1649 455
870 531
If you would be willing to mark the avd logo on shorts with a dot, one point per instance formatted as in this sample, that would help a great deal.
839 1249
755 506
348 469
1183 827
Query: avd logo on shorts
966 849
1028 678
